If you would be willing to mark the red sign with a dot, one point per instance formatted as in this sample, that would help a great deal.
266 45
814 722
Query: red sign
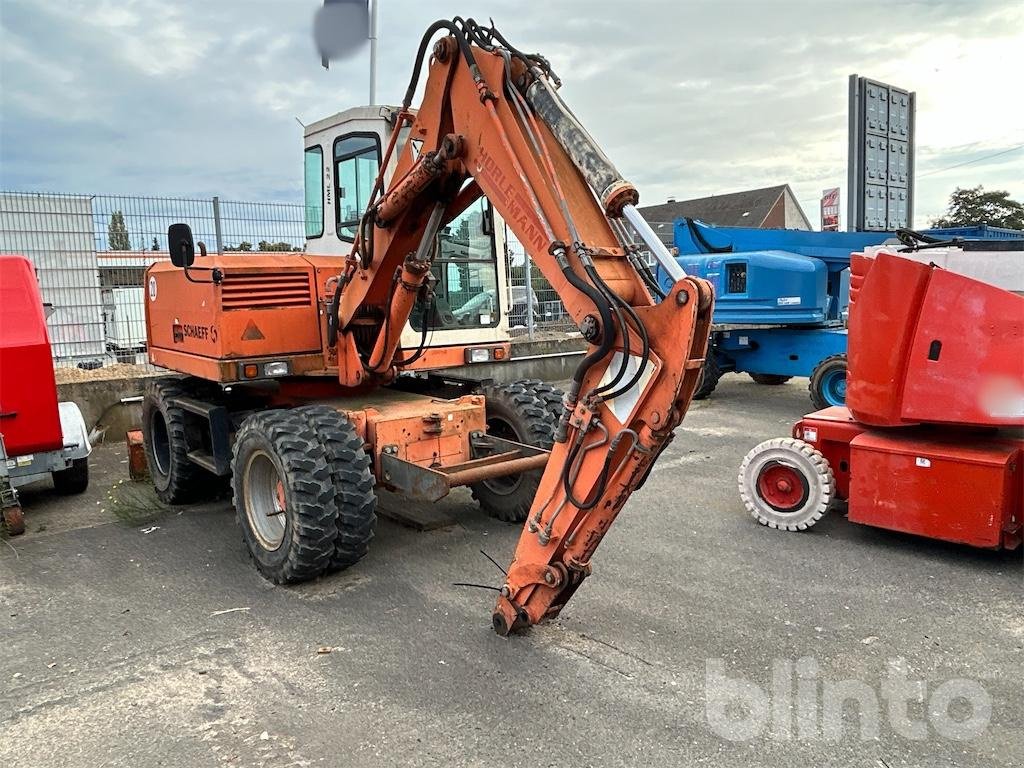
830 210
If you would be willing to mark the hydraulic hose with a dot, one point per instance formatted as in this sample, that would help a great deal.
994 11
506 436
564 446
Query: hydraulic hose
700 240
421 53
603 348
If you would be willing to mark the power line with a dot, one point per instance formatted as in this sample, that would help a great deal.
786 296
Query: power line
971 162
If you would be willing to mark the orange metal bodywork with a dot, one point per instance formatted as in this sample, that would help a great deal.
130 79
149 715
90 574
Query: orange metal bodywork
266 308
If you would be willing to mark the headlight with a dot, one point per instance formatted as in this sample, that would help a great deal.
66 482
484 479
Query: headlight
277 368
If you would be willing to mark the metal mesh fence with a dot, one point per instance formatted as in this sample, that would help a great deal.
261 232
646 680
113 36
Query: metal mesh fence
91 252
529 287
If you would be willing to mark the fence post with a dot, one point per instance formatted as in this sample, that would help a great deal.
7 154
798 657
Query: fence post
528 270
216 224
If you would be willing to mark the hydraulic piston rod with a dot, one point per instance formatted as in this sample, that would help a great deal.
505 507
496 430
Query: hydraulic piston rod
658 249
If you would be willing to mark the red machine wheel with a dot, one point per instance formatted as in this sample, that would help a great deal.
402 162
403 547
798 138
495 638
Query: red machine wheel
782 486
786 484
14 520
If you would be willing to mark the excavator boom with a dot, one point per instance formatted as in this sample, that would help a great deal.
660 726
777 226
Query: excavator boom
492 123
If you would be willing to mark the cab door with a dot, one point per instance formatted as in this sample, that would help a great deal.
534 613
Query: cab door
342 157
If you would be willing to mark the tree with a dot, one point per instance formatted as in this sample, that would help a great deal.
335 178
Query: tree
245 245
976 206
280 246
117 233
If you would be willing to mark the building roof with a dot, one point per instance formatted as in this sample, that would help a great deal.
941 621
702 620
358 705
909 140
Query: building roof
748 208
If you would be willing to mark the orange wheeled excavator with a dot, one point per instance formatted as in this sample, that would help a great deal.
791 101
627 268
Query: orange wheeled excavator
298 387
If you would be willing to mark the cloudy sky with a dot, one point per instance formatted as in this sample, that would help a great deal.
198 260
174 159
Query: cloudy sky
200 97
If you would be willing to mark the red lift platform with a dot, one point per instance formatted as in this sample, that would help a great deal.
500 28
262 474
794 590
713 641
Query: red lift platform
931 441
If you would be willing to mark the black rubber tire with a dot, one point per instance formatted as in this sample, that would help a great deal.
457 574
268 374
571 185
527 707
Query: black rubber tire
826 367
550 395
303 467
515 413
709 376
354 499
176 479
769 379
74 479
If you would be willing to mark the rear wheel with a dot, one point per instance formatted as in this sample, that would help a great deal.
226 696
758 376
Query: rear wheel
74 479
769 379
176 479
551 396
514 413
284 496
828 382
354 500
786 484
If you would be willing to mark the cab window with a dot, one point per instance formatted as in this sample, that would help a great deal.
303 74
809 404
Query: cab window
465 274
356 161
314 183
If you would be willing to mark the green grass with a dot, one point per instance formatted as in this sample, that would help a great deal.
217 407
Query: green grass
135 503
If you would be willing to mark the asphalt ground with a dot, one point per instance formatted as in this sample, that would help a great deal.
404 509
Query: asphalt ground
134 636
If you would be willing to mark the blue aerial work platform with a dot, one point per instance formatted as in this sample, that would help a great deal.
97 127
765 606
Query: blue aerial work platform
781 299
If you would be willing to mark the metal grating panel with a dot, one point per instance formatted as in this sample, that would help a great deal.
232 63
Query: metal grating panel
260 290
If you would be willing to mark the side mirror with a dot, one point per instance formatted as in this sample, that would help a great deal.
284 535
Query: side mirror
181 246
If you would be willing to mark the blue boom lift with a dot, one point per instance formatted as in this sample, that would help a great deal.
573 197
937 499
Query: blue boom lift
781 298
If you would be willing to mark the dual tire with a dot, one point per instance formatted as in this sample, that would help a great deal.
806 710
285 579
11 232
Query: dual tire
303 492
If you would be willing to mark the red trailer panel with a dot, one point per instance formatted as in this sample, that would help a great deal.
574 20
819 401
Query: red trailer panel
29 419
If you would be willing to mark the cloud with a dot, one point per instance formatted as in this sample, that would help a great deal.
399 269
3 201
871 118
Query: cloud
198 98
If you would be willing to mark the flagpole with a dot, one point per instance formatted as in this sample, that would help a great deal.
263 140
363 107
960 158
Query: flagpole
373 51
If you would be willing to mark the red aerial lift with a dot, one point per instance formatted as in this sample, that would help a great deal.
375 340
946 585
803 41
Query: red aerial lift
930 441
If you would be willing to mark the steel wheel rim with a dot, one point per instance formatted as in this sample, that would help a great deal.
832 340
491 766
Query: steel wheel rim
834 387
161 443
782 487
503 486
265 504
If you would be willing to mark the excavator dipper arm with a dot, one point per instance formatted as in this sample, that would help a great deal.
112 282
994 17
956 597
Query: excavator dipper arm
491 122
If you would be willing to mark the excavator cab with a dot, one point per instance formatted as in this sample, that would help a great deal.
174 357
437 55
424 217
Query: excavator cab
471 303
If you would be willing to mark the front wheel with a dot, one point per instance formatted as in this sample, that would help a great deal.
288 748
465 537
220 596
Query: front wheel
514 413
828 382
786 484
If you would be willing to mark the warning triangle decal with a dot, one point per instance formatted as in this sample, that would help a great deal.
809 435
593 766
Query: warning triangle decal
252 333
